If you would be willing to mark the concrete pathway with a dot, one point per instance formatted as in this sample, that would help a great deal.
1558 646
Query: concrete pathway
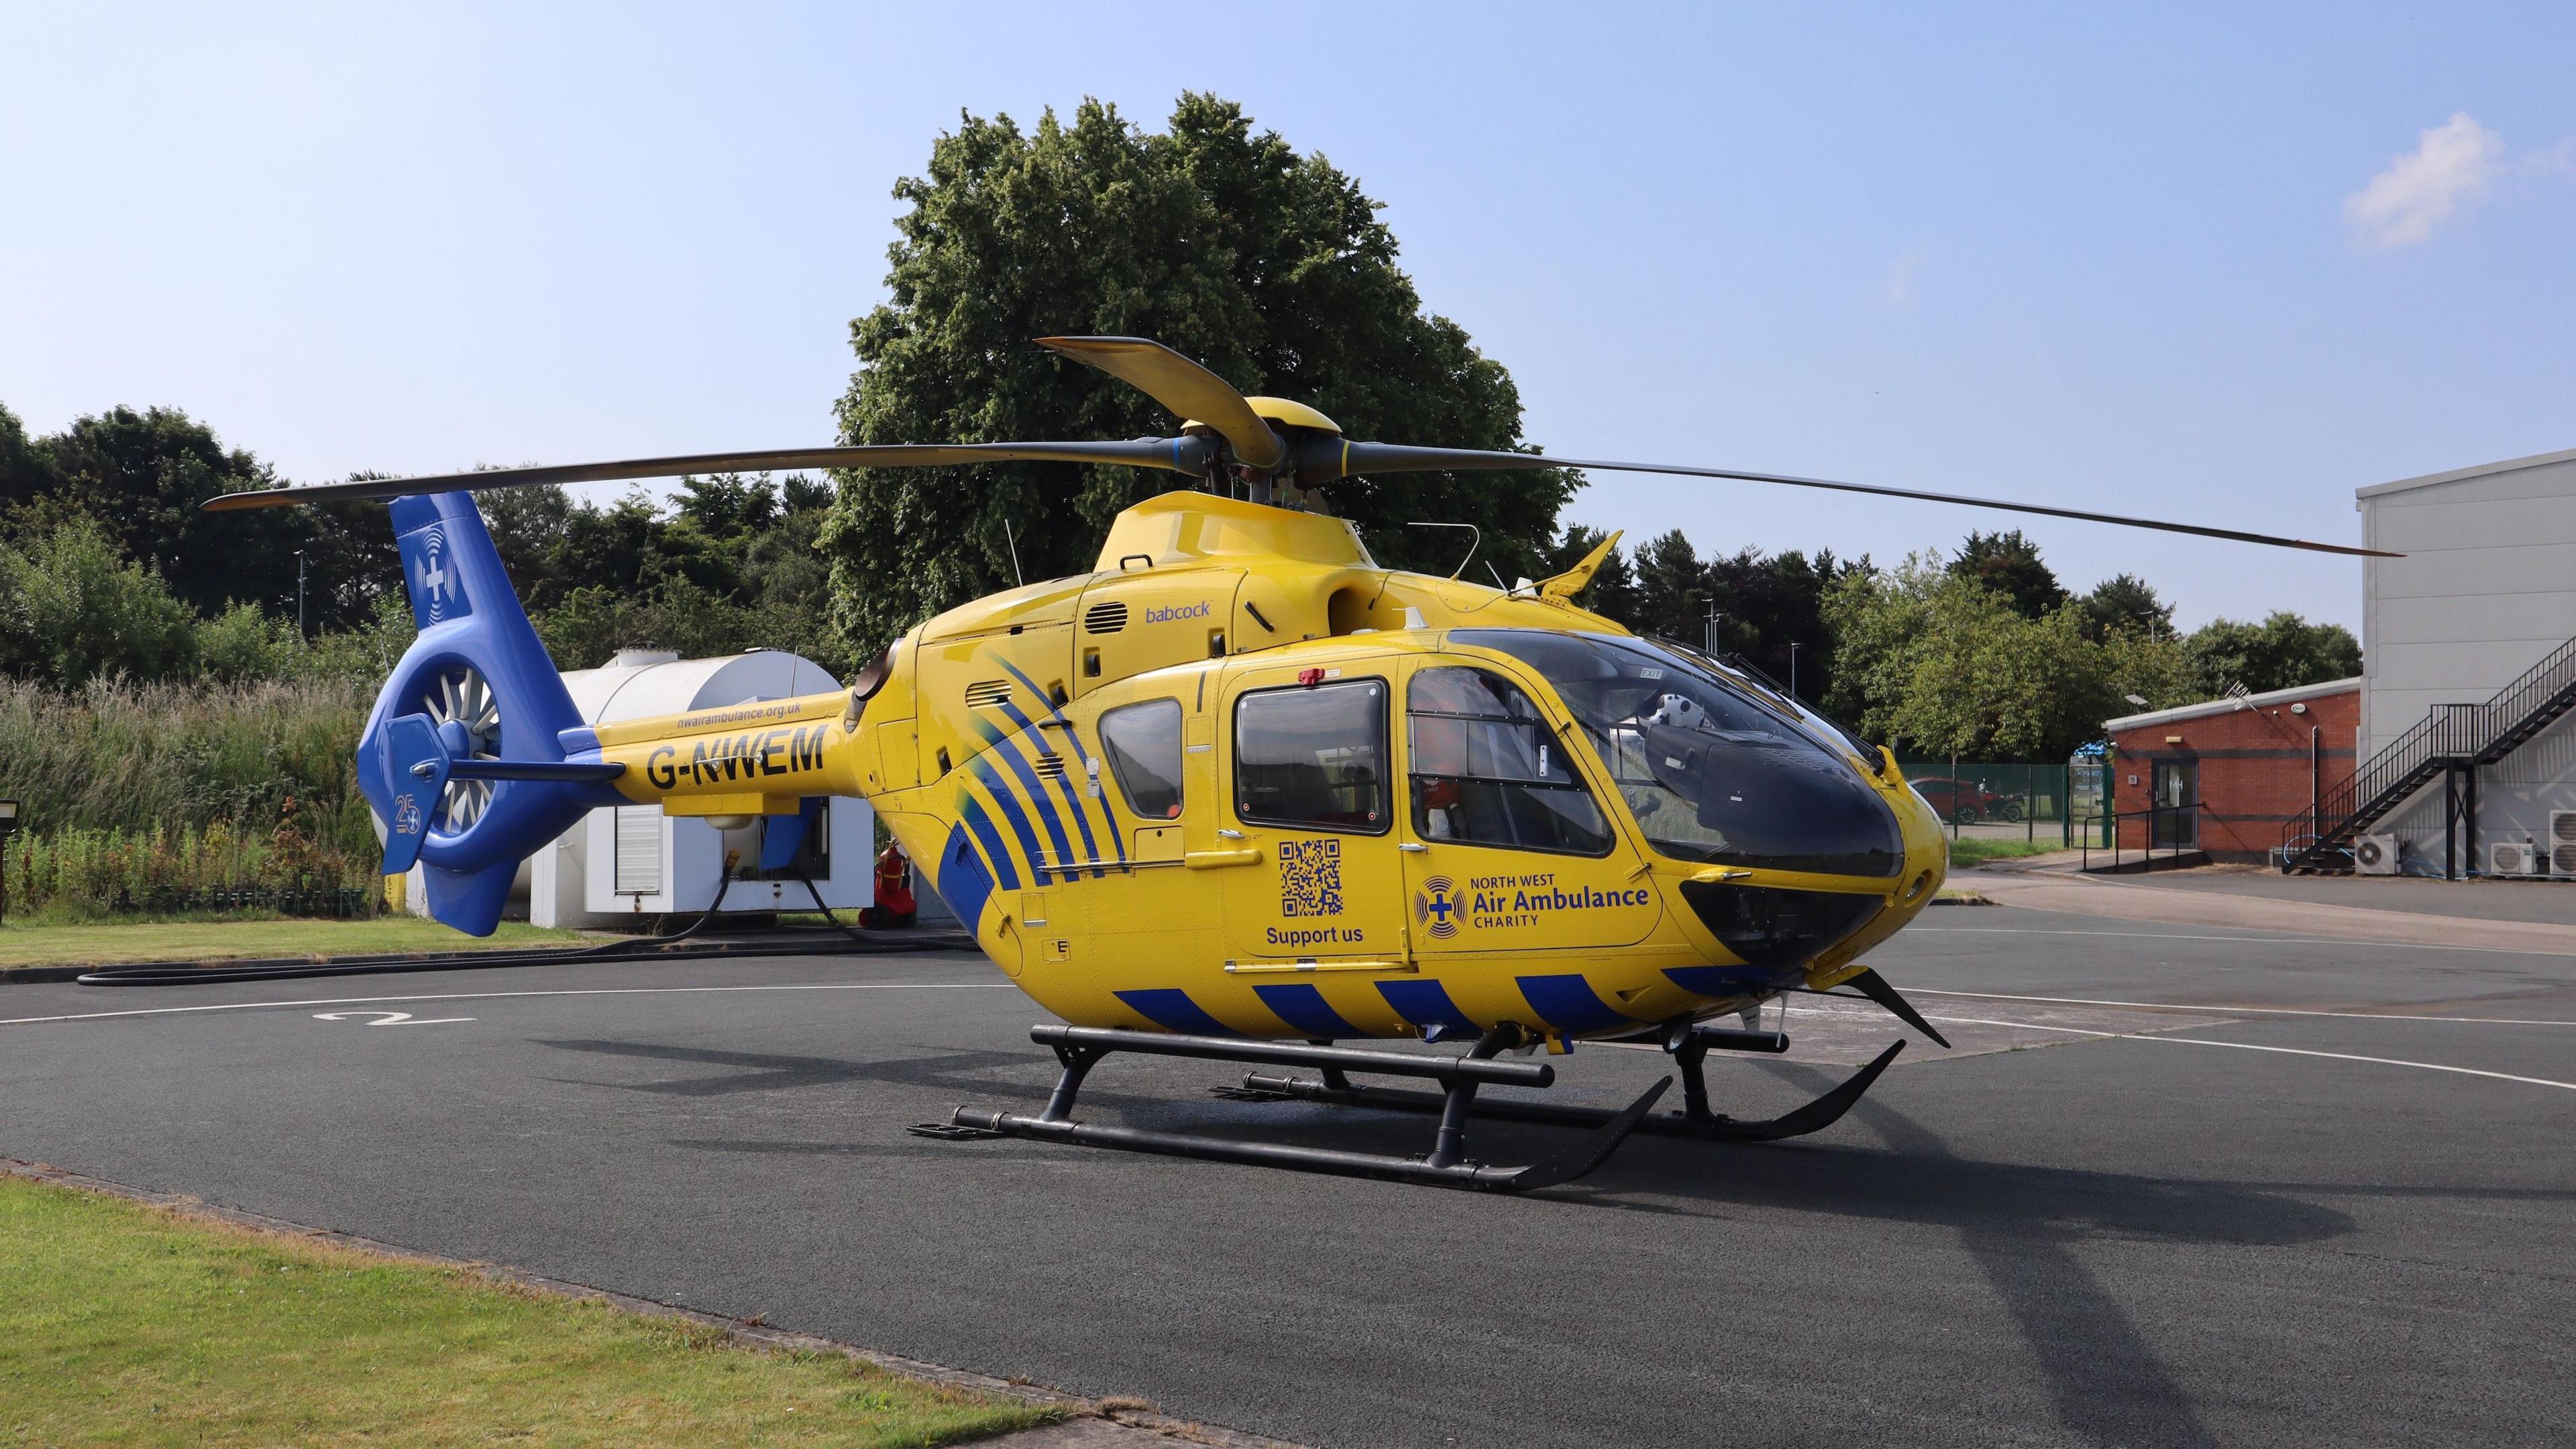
2249 900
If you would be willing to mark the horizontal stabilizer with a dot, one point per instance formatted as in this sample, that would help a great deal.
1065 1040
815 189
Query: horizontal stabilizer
581 771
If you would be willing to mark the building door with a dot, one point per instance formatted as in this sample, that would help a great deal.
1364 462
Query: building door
2177 783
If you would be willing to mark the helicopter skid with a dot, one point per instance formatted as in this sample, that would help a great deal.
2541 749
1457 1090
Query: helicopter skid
1693 1120
1446 1165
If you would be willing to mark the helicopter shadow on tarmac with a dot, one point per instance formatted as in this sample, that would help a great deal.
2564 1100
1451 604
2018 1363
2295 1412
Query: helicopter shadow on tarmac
2021 1226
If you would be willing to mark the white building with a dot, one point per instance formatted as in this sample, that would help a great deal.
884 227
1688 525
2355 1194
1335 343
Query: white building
2483 605
632 860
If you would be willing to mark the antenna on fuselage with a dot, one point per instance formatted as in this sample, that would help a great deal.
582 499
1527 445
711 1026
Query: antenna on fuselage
1013 540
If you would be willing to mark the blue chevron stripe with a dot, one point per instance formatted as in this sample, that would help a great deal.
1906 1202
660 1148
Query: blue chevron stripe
963 882
1082 756
982 824
1171 1009
1035 795
982 771
1568 1003
1304 1007
1424 1003
1064 787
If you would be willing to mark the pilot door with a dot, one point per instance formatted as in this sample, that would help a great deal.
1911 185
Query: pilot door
1307 847
1507 844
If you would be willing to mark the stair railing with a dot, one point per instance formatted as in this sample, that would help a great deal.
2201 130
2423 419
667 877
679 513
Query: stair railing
2449 734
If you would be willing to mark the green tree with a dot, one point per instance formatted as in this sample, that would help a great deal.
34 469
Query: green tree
73 607
1672 589
1269 266
2283 652
1934 662
2009 564
24 469
2126 601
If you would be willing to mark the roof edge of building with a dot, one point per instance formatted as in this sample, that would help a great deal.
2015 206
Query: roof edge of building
2207 708
2509 465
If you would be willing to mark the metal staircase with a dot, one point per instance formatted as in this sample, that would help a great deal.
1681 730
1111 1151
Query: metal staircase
2452 736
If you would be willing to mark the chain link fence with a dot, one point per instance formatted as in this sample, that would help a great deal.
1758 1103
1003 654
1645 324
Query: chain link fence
2007 800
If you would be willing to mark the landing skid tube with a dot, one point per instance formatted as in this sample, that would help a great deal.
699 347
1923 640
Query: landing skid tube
1446 1165
1693 1120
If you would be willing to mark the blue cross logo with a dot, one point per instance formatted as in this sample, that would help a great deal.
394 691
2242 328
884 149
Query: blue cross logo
1436 908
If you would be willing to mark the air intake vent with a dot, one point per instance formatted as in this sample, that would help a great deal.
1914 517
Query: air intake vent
1104 618
1051 766
988 694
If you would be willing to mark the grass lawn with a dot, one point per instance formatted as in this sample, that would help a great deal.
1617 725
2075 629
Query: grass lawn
213 940
1969 850
130 1325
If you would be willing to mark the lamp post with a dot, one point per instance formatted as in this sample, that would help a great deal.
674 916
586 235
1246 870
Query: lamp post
8 827
299 594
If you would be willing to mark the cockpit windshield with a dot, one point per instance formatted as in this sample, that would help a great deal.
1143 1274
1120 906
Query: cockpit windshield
1709 773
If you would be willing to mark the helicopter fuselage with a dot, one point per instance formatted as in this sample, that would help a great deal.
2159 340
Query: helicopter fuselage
1240 780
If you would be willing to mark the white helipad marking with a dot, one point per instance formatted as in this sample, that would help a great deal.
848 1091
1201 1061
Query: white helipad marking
2245 1046
490 995
2232 1010
2255 934
388 1018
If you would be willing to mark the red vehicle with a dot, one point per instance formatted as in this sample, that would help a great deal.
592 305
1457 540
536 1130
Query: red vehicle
1960 801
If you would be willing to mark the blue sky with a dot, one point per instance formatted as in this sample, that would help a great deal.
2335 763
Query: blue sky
2193 263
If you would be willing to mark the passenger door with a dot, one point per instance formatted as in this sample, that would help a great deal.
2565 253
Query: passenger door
1507 845
1308 851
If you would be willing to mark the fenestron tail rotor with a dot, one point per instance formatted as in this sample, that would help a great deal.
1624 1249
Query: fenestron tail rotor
1261 440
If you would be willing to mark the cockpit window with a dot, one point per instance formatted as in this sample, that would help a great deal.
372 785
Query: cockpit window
1709 773
1488 770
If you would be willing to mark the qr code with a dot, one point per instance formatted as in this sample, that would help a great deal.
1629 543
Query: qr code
1310 877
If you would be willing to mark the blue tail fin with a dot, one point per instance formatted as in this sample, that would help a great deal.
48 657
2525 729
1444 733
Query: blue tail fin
463 757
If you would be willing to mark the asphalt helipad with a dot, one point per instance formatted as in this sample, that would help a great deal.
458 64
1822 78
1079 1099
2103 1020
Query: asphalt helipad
2179 1184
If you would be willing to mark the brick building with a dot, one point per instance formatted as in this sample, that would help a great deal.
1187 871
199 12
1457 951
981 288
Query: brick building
2253 764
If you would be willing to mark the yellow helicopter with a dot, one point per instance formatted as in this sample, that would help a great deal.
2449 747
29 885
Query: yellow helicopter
1240 793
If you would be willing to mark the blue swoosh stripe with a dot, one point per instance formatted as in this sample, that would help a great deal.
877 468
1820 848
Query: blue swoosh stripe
1036 796
1304 1007
982 824
1171 1009
1090 846
963 882
1424 1003
1569 1003
1012 815
1056 712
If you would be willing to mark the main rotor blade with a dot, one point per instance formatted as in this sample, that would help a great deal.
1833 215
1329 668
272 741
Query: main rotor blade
1185 387
1180 455
1397 458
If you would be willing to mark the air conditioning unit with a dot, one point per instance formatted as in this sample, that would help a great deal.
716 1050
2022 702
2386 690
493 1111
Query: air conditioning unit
2562 842
2516 858
2375 855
